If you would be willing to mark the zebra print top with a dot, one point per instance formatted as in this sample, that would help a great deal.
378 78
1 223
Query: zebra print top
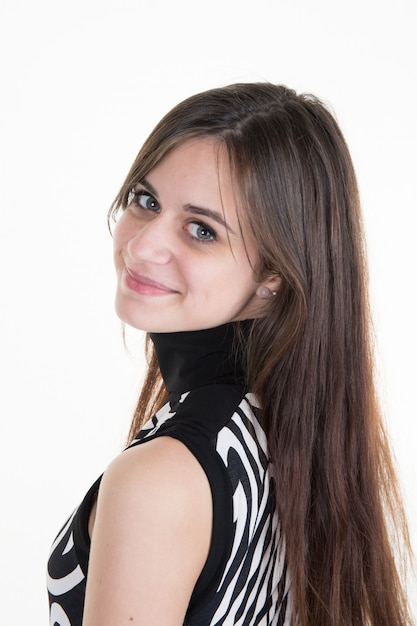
244 580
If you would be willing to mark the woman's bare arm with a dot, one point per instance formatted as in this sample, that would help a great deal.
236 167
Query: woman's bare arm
151 537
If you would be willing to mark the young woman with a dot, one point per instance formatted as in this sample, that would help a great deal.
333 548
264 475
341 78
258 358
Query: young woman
257 488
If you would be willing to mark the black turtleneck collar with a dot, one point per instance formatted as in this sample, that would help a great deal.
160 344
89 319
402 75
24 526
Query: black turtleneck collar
193 359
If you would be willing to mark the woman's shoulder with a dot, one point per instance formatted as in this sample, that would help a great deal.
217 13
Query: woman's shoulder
161 476
151 533
144 466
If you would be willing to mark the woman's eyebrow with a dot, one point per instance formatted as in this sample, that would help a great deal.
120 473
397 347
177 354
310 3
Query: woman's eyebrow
214 215
145 183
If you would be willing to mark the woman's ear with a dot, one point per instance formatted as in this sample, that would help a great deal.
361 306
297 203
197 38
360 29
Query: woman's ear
269 286
274 284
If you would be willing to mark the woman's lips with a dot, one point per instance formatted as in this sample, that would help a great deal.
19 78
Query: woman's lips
144 285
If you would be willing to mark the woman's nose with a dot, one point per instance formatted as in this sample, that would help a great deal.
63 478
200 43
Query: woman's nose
152 242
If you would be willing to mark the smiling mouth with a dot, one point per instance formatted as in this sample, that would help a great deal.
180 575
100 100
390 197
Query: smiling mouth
144 285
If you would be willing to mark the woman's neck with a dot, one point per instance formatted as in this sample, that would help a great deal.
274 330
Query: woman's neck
192 359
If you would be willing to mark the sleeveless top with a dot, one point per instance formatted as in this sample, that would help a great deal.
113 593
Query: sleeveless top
244 580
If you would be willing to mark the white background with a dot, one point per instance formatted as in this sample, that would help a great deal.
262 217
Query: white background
82 84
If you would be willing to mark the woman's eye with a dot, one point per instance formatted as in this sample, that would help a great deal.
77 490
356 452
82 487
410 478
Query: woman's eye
144 200
201 232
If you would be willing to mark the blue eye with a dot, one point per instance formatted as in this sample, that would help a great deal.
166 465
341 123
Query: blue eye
201 232
144 200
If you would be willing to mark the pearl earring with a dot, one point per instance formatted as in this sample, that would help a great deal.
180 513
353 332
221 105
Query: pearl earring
263 292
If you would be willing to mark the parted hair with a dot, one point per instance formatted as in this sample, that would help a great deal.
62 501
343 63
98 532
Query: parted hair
309 358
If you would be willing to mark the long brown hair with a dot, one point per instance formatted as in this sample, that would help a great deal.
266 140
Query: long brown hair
309 359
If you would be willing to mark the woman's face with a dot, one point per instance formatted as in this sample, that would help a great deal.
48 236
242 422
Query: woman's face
183 261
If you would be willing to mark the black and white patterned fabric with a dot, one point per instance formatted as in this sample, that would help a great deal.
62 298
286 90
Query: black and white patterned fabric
244 580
